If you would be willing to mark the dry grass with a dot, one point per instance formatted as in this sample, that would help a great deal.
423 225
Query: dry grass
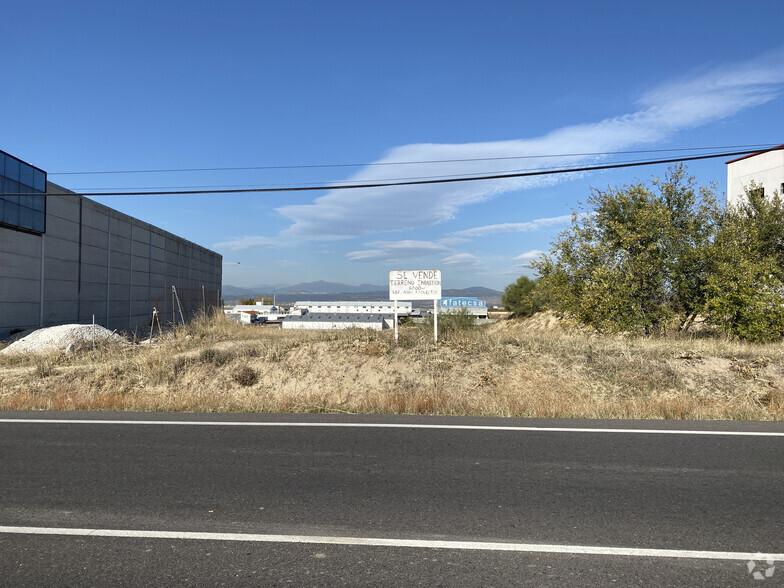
533 368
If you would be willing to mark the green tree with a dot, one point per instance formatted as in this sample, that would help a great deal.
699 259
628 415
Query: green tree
252 301
637 258
521 297
745 290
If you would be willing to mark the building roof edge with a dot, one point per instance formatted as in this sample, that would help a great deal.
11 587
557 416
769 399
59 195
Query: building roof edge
780 147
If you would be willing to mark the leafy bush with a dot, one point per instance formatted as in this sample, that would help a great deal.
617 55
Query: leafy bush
637 259
451 323
745 291
521 297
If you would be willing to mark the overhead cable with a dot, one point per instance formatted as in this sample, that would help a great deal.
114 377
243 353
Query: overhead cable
432 181
756 148
421 182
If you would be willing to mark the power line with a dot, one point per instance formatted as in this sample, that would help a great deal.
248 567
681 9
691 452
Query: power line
433 181
758 147
378 180
444 180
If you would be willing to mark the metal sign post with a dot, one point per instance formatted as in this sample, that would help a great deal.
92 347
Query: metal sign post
395 321
435 320
417 285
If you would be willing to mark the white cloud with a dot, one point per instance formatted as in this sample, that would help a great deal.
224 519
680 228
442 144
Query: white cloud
721 92
368 255
529 255
523 227
397 250
247 243
341 214
464 259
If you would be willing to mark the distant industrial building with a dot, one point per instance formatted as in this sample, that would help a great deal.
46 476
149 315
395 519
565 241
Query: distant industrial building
325 321
353 306
765 169
256 313
259 308
66 259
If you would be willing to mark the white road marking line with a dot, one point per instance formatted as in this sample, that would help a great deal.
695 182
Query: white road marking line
380 542
396 426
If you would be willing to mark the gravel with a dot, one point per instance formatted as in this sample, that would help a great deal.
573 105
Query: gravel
68 338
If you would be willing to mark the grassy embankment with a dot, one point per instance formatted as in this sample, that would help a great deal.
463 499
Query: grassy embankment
533 368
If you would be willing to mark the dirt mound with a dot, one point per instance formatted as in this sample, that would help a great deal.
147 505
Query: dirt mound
540 322
66 338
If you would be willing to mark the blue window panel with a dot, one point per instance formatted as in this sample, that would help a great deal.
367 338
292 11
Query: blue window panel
11 214
11 187
25 217
22 200
38 223
38 203
26 175
11 169
39 180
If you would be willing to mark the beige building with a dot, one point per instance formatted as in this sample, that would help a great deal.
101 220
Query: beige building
765 169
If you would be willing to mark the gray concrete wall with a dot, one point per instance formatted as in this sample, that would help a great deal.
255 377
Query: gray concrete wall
96 261
20 279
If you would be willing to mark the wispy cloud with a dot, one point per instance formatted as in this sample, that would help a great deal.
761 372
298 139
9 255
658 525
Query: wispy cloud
529 255
461 259
397 250
247 243
719 93
523 227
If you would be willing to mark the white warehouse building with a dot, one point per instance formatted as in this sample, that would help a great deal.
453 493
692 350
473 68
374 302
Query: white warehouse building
765 169
326 321
354 307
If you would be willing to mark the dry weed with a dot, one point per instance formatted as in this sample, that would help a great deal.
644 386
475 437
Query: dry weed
535 368
245 376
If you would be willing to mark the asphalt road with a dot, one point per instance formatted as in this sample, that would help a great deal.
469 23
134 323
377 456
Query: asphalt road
451 505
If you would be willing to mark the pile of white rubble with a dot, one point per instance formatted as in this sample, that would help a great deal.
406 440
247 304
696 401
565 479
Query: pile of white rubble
67 338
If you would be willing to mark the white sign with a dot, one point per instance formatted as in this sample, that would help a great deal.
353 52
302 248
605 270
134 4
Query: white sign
416 284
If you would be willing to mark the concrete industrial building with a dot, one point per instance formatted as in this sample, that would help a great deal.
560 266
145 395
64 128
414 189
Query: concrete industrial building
355 306
765 169
66 259
326 321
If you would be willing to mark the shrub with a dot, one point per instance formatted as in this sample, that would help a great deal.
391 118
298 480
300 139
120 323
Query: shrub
637 259
745 291
521 297
215 357
245 376
451 323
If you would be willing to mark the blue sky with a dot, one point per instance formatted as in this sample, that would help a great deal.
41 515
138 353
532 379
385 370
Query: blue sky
109 86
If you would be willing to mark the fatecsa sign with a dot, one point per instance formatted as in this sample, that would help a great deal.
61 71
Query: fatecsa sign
416 284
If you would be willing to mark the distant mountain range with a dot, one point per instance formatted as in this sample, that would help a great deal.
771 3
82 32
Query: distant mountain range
322 290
